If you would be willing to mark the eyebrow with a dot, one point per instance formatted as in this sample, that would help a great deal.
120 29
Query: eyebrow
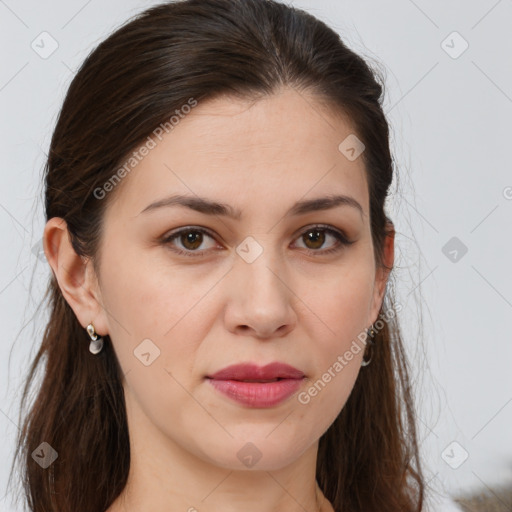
209 207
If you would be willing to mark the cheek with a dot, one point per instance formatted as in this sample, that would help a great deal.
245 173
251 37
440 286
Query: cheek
155 316
338 303
144 296
337 309
325 395
337 367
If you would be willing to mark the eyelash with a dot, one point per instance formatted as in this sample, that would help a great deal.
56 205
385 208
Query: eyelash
340 237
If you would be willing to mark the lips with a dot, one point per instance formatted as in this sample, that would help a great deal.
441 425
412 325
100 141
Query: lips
258 386
250 372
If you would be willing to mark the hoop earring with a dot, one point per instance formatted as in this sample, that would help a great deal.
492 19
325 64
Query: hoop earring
96 342
371 341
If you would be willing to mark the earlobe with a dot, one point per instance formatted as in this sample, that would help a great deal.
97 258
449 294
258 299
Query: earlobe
74 275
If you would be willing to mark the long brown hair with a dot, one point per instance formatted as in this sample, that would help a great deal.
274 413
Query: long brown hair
129 85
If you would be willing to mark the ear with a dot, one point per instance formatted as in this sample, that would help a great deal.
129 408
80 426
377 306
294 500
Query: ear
382 274
75 276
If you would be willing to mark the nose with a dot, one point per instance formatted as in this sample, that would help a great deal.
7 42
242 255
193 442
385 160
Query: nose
260 300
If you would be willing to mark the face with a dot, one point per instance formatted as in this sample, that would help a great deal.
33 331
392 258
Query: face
186 293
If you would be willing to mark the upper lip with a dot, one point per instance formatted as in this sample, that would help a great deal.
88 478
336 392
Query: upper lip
251 371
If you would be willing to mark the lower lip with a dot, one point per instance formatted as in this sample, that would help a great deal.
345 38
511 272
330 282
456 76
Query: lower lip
257 394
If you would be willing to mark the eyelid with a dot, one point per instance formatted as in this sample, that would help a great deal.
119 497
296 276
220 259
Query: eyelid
169 236
342 239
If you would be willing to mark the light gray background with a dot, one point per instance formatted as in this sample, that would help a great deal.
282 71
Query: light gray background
451 136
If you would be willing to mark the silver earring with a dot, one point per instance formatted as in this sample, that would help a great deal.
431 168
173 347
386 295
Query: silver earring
371 341
96 342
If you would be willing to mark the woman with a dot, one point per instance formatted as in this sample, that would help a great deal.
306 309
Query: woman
221 330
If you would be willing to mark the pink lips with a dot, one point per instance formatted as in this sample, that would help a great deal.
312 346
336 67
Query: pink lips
229 381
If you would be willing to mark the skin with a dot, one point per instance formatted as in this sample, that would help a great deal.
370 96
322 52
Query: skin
205 313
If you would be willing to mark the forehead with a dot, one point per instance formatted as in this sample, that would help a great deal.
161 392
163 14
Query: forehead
254 155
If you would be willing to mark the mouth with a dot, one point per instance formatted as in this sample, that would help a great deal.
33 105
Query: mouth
257 393
260 381
250 372
257 386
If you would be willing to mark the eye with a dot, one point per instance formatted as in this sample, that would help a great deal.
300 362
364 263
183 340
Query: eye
315 237
192 238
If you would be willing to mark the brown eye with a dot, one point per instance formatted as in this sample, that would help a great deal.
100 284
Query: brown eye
191 239
314 238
